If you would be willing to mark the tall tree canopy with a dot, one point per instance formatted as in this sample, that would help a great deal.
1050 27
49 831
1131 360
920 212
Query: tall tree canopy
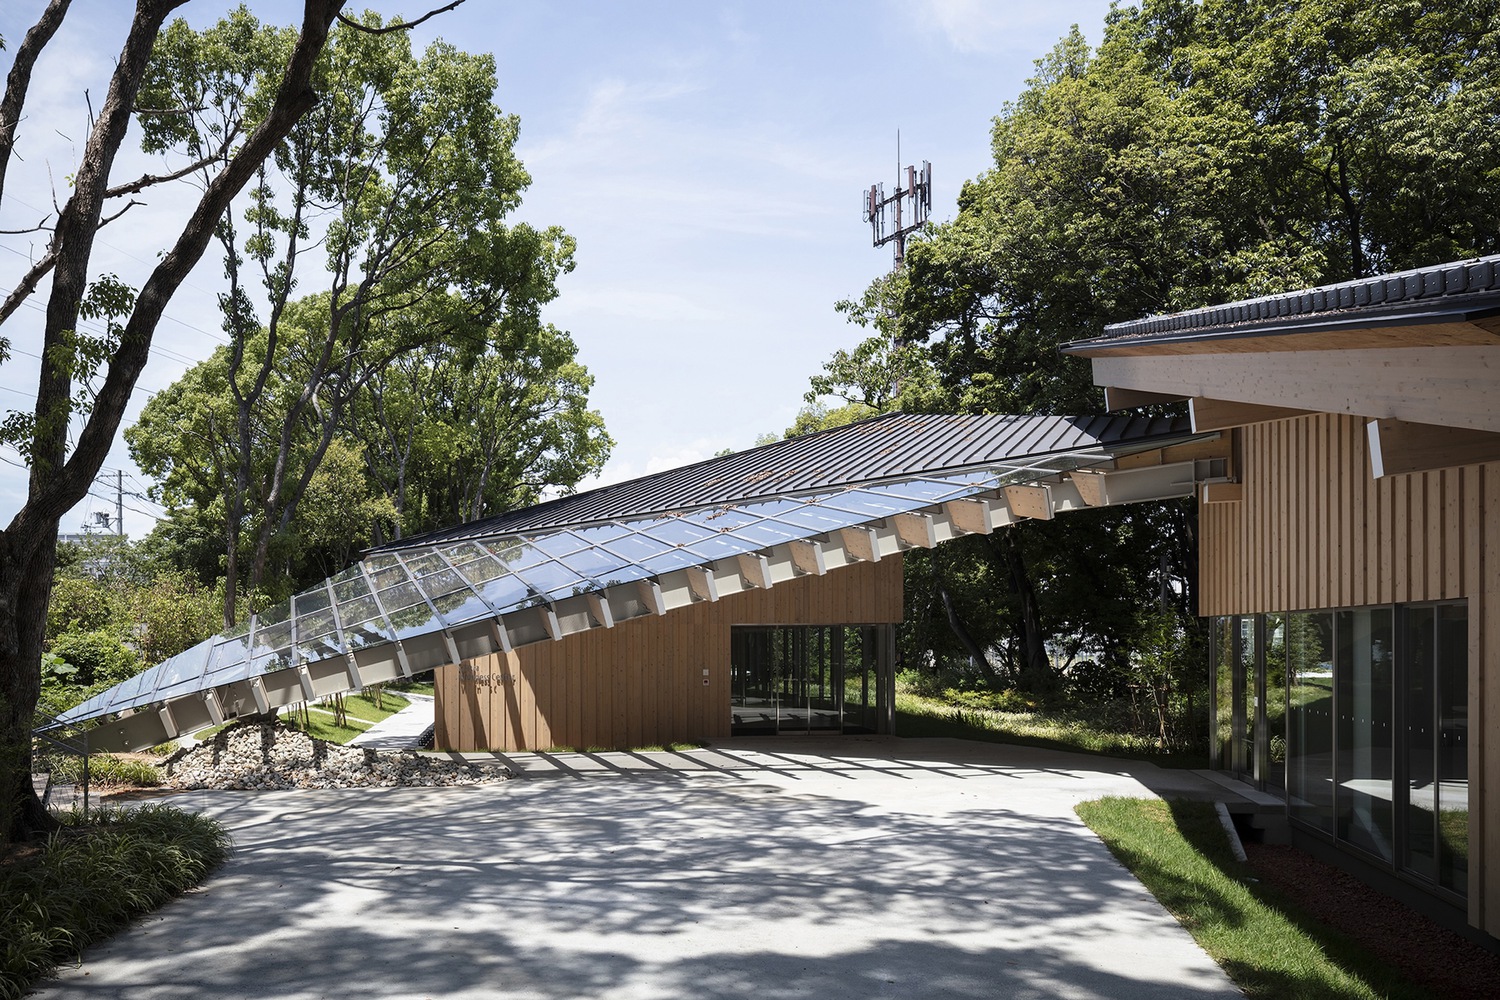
1205 151
84 387
440 435
397 187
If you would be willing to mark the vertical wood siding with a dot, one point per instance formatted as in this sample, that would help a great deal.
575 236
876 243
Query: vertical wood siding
641 682
1313 530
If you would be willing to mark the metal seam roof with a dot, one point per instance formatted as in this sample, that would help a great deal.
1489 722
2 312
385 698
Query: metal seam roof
1465 288
882 447
560 567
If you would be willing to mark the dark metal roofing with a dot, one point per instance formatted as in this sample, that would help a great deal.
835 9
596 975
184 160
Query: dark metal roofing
1457 291
885 447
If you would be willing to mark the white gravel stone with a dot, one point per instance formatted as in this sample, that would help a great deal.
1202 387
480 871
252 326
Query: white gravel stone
273 755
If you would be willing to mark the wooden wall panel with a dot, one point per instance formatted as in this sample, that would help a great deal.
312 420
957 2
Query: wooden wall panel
1315 531
642 682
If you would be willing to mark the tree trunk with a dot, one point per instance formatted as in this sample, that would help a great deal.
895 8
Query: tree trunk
1036 673
25 586
958 626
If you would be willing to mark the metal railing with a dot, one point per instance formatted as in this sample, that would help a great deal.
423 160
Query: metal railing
50 736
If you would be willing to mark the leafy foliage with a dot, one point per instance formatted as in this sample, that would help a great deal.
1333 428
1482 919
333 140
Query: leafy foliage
89 881
1205 151
401 180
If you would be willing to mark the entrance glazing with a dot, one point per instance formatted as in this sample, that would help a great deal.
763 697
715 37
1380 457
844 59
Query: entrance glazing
804 679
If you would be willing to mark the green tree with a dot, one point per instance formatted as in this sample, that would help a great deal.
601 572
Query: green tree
451 438
1205 151
400 180
68 433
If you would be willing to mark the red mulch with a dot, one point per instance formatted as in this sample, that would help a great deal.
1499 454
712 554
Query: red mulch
1432 956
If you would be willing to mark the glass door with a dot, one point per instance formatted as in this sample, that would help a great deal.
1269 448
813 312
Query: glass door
803 679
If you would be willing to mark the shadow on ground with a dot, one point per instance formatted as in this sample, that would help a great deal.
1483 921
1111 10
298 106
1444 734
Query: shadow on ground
794 885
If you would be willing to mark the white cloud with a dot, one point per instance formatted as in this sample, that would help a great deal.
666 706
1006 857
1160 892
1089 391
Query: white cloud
990 27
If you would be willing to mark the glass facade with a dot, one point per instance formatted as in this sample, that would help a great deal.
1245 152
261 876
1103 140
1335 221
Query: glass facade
1364 668
804 679
1309 718
1362 713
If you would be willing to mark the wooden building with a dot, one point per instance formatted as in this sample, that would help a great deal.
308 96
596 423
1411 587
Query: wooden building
811 655
1352 566
751 593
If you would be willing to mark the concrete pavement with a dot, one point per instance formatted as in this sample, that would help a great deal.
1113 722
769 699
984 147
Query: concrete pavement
853 867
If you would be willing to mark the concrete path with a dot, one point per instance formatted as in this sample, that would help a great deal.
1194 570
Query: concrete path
405 730
831 869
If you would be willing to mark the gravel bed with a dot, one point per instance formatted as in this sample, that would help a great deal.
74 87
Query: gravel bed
272 755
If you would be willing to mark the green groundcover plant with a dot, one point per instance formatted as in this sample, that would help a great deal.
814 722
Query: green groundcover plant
91 878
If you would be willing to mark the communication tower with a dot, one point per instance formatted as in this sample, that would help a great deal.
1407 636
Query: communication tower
894 217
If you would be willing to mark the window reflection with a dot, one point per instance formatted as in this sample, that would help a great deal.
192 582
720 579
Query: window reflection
1309 722
1364 673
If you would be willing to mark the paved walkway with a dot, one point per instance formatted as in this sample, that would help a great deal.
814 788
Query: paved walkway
405 730
764 868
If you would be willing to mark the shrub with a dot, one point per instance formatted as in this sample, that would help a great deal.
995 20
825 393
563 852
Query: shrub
100 656
105 769
90 880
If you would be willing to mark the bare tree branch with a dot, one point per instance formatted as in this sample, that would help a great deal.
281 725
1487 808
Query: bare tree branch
40 227
19 79
26 285
399 25
293 99
147 180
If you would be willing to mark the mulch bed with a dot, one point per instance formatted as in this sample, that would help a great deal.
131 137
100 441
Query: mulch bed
1432 956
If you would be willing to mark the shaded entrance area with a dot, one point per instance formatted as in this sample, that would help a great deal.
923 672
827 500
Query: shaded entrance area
808 679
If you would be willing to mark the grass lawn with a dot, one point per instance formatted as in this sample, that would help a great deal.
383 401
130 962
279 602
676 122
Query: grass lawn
1269 947
321 727
917 715
362 706
90 879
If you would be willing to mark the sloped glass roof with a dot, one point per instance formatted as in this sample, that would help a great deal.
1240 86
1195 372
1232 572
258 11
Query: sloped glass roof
489 571
396 595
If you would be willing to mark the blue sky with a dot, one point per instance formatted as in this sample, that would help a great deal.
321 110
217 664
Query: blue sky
708 156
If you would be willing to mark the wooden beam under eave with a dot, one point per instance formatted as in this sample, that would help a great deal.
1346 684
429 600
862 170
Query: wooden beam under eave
649 592
755 569
550 624
1222 414
807 558
1030 501
599 608
1223 492
1450 386
915 530
701 584
1398 447
860 543
1090 486
970 516
1116 398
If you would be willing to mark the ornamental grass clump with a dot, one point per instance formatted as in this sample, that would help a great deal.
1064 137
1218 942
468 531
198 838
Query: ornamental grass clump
91 878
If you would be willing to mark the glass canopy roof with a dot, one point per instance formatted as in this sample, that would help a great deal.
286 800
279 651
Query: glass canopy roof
396 595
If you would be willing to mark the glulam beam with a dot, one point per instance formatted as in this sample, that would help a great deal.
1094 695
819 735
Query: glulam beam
1398 447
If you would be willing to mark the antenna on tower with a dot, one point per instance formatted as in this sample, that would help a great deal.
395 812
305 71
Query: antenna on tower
892 219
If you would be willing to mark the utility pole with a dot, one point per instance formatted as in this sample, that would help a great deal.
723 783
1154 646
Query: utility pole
120 502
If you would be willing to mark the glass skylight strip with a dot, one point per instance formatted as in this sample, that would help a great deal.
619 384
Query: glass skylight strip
472 579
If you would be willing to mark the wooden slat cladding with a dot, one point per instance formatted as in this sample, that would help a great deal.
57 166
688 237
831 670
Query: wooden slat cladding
1314 530
643 681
